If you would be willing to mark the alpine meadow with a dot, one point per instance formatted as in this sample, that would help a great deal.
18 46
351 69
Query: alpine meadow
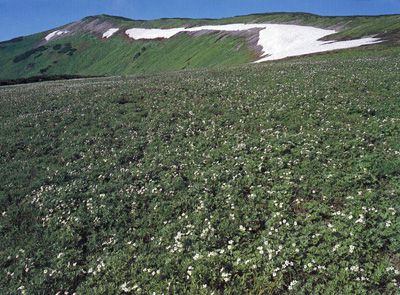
192 156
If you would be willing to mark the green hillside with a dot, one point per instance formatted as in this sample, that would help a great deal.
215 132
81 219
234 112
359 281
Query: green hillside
89 55
277 178
85 53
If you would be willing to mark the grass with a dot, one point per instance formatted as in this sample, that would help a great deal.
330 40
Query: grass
89 55
265 179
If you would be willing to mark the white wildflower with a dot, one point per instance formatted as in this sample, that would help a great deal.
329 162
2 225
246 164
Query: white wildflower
293 284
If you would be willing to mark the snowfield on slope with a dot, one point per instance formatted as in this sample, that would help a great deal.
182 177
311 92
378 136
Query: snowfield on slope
277 41
54 34
110 32
138 34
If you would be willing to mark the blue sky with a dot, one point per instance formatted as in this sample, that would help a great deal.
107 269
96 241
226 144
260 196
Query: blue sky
23 17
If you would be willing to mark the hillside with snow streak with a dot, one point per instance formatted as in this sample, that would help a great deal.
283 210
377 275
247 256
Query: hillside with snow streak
109 45
276 40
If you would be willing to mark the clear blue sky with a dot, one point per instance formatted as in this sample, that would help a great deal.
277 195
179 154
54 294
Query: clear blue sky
23 17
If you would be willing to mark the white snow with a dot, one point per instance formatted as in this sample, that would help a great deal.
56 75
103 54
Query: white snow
110 32
230 27
54 34
138 34
277 41
281 41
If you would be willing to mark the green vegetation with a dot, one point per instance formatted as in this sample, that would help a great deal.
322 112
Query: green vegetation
29 53
264 179
41 79
88 55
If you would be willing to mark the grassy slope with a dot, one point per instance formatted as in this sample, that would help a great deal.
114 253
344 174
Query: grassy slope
209 177
115 56
118 57
9 50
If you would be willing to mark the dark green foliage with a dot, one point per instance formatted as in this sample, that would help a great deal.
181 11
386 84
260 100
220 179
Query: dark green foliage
39 79
28 53
44 70
386 168
15 40
67 49
57 47
31 65
137 55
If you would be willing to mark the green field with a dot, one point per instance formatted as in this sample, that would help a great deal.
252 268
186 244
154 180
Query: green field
280 178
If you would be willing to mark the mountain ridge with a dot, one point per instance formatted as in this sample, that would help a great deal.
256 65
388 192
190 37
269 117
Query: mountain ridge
79 48
126 19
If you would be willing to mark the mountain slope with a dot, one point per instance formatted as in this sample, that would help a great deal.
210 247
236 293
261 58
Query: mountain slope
82 50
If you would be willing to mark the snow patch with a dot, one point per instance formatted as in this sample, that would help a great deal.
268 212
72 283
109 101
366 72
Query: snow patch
138 34
281 41
110 32
54 34
277 41
230 27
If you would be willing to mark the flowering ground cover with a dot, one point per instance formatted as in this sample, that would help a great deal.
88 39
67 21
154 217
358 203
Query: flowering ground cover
261 179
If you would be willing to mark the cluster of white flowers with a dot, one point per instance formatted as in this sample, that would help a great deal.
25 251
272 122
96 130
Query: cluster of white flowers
201 206
292 285
178 245
189 272
208 230
125 287
360 219
260 250
22 290
226 276
392 269
287 263
311 266
197 256
99 267
230 244
50 272
152 271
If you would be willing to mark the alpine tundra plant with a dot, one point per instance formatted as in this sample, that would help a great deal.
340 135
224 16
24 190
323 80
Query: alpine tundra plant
281 178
